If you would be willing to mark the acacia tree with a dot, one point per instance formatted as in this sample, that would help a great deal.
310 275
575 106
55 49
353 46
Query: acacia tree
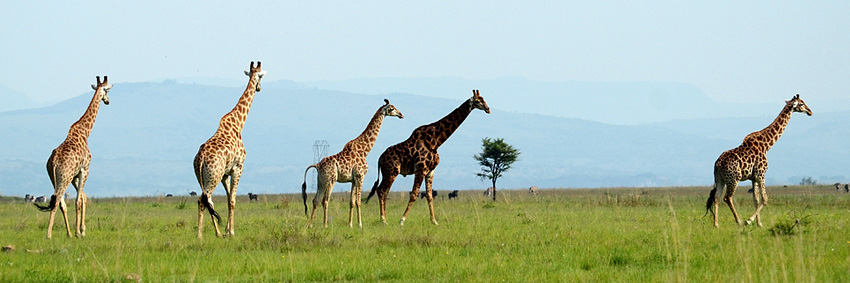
495 158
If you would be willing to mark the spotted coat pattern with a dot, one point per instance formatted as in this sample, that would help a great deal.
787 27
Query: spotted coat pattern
347 166
69 163
749 162
418 156
222 156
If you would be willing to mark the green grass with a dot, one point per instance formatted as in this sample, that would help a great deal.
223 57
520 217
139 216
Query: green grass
643 235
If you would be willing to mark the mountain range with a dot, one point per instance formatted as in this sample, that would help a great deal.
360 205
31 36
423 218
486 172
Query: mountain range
144 142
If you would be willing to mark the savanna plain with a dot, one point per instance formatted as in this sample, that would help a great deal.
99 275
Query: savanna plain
617 234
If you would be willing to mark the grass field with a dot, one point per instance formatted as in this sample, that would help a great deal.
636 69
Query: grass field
643 235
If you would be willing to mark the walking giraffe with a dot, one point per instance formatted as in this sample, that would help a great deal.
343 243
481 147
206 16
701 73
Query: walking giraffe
347 166
69 163
223 155
748 161
418 155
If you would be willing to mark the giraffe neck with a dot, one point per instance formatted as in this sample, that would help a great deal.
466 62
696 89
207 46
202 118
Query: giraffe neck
82 128
370 134
233 121
446 126
768 136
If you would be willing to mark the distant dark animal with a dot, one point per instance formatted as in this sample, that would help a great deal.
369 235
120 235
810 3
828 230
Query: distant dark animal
837 186
252 197
453 194
29 198
169 195
847 188
193 193
532 190
41 199
424 194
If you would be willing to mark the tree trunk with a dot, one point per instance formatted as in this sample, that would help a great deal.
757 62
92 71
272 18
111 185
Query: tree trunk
494 189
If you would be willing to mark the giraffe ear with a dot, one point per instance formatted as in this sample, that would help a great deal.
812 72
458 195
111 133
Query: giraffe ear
263 73
247 73
94 86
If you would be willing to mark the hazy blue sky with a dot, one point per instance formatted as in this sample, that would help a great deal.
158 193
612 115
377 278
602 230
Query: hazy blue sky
753 51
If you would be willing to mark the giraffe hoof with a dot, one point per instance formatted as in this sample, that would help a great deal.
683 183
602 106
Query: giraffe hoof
748 222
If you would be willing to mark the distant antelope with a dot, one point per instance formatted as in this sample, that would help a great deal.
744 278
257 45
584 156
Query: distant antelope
837 186
489 191
29 198
532 190
41 199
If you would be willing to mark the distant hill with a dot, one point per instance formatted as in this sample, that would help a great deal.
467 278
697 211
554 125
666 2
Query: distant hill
143 143
13 100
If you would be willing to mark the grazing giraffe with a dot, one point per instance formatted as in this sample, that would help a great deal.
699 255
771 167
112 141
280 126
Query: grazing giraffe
69 163
223 155
418 155
749 162
347 166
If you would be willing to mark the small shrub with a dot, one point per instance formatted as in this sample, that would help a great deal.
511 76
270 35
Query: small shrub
785 228
182 204
489 205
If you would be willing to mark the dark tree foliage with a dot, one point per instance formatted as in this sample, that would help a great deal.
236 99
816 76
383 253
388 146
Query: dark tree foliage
495 158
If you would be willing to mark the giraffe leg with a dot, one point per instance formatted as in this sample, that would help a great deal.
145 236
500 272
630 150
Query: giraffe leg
215 223
81 197
358 198
201 218
429 195
64 209
730 191
79 182
417 182
712 200
231 199
758 186
325 199
383 193
351 202
50 221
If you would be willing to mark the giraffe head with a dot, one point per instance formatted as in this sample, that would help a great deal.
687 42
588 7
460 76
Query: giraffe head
798 105
256 71
390 110
477 102
102 88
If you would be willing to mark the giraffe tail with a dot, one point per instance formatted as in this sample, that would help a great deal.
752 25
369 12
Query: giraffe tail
709 204
50 206
304 187
375 186
206 201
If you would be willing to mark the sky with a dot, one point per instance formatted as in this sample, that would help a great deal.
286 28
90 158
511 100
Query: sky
751 52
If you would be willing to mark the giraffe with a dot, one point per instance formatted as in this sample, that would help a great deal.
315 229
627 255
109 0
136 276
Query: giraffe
748 161
69 163
347 166
223 155
418 155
